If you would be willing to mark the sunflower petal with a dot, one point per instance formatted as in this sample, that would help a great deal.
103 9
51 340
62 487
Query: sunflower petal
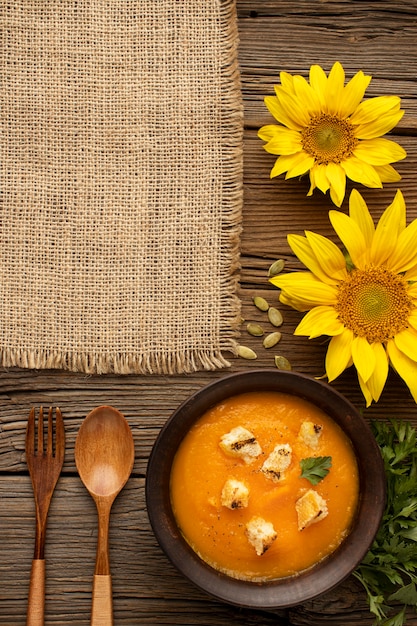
280 113
287 82
322 320
329 257
390 224
352 237
412 290
282 280
361 172
379 151
318 81
268 131
387 173
337 179
363 357
405 367
304 251
411 274
318 173
359 213
380 126
312 181
294 109
366 391
354 92
302 166
335 88
304 288
298 306
307 96
377 380
412 319
406 342
371 110
284 141
286 162
404 256
339 354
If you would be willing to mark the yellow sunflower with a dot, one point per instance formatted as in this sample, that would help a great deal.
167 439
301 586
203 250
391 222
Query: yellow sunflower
326 129
365 301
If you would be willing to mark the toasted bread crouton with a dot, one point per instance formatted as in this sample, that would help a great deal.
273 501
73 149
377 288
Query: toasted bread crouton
241 443
235 494
311 508
310 433
277 462
261 534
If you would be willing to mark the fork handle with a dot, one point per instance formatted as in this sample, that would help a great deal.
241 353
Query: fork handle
36 602
102 603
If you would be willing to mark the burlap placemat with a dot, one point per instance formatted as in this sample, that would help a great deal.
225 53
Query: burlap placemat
122 185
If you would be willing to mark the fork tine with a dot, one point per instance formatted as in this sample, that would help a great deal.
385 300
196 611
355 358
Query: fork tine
59 435
30 433
49 448
40 431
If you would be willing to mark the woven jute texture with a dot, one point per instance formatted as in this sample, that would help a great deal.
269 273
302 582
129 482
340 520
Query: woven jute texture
122 185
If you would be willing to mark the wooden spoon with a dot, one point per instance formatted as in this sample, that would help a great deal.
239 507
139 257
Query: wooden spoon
104 456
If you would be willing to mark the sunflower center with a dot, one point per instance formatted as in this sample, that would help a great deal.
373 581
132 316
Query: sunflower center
329 139
374 303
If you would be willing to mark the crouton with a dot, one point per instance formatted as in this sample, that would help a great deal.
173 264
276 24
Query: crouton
277 462
241 443
311 508
261 534
235 494
310 433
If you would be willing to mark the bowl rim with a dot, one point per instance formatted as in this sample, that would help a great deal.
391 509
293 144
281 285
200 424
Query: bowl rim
289 591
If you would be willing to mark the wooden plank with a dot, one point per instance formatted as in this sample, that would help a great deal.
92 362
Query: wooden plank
305 10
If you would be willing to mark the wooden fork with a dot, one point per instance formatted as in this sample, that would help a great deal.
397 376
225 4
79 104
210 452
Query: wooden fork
45 464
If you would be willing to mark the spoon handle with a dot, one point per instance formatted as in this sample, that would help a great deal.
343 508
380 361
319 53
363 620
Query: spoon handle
36 602
102 603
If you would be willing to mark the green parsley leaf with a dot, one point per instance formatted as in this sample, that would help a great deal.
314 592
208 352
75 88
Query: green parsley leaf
388 572
315 468
397 620
405 595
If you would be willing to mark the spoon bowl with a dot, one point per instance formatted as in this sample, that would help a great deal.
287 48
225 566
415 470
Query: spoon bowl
104 456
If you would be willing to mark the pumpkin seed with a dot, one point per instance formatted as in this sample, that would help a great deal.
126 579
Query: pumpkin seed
282 363
255 329
276 268
260 303
272 339
275 316
246 353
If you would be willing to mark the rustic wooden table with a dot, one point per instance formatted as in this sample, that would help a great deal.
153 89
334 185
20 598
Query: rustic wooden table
378 37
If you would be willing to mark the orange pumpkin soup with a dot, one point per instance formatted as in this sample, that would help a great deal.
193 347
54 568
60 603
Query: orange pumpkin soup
238 495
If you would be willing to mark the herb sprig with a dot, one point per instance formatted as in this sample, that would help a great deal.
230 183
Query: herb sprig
315 468
389 570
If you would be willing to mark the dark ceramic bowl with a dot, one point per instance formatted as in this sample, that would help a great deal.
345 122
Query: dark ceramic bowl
318 579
